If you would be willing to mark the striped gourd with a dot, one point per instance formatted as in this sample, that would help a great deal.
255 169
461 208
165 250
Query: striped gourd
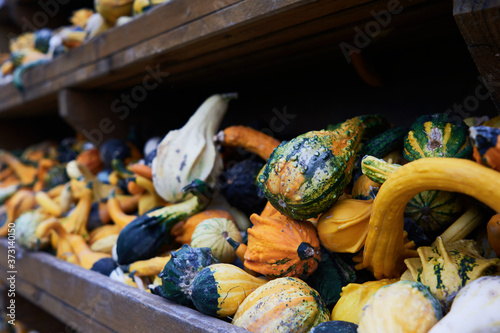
218 290
212 233
282 305
437 135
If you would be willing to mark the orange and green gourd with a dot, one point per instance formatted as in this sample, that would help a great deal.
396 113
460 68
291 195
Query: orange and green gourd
303 177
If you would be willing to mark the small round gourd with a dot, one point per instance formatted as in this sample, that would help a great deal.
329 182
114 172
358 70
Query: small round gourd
282 305
212 233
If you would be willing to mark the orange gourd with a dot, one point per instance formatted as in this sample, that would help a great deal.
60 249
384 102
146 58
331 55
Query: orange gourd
493 232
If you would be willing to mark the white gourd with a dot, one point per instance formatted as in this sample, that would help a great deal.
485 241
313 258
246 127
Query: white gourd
476 308
189 153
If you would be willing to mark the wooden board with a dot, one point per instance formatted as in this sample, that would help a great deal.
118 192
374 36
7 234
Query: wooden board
90 302
182 36
479 24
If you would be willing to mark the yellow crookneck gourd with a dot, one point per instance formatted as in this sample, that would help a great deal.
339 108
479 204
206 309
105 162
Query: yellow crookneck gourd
76 222
118 216
384 250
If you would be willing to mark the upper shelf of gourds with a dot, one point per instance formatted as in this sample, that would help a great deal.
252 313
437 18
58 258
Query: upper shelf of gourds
361 227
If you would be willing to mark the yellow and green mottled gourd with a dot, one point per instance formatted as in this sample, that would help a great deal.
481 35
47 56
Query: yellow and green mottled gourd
446 268
303 177
283 305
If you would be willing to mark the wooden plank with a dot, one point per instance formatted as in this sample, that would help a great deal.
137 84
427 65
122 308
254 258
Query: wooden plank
88 296
478 22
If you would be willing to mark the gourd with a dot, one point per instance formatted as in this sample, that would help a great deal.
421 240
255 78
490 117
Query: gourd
180 270
475 308
364 188
404 306
344 226
183 231
305 176
493 233
437 135
140 6
119 217
250 139
432 210
111 10
284 305
218 290
354 297
141 238
446 268
335 326
385 142
238 186
331 275
486 146
189 153
104 266
26 225
212 233
384 250
280 246
76 221
25 172
91 158
149 267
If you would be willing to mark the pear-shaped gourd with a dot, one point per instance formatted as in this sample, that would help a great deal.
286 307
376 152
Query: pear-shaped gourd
190 153
446 268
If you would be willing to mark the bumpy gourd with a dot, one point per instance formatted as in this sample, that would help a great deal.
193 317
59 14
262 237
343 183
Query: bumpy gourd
305 176
189 153
446 268
384 250
344 226
282 305
404 306
437 135
280 246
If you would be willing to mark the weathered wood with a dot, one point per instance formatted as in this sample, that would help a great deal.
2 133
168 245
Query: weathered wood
191 42
479 23
91 115
89 299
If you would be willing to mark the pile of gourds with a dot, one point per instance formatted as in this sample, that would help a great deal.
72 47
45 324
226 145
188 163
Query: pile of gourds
360 227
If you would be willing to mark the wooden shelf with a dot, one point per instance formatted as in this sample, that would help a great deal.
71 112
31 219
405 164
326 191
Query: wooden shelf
90 302
190 37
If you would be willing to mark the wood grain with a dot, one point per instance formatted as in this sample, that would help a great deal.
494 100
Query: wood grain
478 22
92 302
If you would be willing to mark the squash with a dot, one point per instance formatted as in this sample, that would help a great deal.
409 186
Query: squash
25 172
111 10
404 306
437 135
149 267
140 6
377 169
249 139
104 266
486 146
364 188
105 244
475 308
238 186
446 268
189 153
279 246
284 305
212 233
76 221
434 210
91 158
473 217
305 176
330 277
180 270
218 290
183 231
26 225
384 251
354 297
493 233
335 326
142 238
384 143
119 217
344 226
